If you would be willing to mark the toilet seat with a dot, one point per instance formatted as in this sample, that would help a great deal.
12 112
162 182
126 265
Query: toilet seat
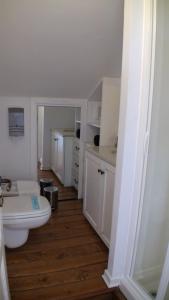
21 207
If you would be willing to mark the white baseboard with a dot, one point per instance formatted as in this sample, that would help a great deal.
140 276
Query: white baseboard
110 282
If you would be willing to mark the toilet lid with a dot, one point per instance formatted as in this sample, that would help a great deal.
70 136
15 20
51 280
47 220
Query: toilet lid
25 206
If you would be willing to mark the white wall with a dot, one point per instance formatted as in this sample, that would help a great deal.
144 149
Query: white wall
154 233
14 151
55 117
40 132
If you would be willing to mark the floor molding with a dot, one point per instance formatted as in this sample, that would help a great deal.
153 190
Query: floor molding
110 282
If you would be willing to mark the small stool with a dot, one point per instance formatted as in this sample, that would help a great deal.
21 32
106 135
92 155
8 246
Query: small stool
44 182
51 193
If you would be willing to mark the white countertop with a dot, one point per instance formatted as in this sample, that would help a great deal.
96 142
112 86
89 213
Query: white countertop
105 153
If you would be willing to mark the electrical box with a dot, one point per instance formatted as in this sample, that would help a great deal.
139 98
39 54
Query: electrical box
16 121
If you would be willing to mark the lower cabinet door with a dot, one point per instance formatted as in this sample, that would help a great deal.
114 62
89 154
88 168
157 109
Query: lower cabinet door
107 204
91 207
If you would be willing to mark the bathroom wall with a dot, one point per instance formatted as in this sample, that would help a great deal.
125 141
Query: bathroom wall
55 117
14 151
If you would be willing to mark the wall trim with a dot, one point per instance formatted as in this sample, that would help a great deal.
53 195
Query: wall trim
111 282
35 102
135 107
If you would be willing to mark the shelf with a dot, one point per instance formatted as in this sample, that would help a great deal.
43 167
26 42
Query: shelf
94 124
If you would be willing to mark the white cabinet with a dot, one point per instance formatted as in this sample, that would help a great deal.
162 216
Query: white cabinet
107 202
92 190
103 111
61 155
76 163
76 150
98 196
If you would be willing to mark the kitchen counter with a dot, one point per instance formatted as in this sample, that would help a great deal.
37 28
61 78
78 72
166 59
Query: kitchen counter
105 153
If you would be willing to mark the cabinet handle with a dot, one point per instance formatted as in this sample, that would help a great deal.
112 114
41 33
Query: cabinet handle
76 181
77 148
55 139
99 171
77 165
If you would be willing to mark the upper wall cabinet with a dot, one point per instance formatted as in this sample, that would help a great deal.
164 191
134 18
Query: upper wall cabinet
103 111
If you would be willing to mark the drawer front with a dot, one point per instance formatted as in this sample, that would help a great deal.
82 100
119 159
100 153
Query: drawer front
75 162
75 176
75 157
75 173
76 147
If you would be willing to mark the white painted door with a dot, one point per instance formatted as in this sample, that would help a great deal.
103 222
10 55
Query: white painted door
92 192
4 289
108 178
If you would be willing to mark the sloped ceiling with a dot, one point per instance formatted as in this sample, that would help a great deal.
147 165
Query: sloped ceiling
58 48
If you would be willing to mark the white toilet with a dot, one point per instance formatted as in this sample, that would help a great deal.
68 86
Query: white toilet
22 213
23 209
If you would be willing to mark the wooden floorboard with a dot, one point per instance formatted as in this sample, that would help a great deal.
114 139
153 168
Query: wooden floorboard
63 260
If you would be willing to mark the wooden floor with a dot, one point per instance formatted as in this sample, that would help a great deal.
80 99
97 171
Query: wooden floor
62 260
65 193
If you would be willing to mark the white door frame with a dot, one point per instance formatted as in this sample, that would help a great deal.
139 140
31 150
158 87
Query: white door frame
135 112
35 102
4 287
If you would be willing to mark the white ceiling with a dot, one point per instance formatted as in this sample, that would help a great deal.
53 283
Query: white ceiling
58 48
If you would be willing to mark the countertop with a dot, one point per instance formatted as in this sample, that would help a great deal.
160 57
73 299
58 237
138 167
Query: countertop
105 153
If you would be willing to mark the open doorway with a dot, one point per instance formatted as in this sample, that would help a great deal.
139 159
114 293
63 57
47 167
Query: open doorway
58 145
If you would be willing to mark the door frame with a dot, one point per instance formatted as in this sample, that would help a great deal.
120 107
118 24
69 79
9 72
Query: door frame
3 269
135 116
57 102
